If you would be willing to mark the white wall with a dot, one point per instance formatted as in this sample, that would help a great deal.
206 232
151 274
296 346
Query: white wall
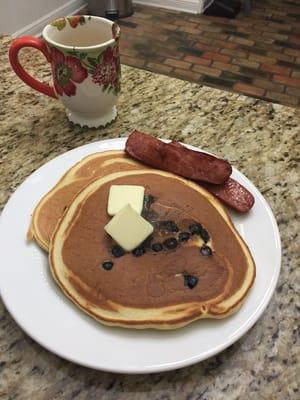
192 6
28 17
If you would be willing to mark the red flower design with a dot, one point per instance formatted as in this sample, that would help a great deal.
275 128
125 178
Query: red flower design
115 31
106 71
66 71
74 21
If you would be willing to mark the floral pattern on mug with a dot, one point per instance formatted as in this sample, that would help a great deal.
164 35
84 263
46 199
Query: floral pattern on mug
104 68
67 71
59 23
115 31
74 20
106 72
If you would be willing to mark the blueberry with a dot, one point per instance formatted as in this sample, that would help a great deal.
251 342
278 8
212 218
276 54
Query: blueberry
117 251
205 250
184 236
195 229
190 281
172 227
138 252
205 235
170 243
147 243
168 226
107 265
157 247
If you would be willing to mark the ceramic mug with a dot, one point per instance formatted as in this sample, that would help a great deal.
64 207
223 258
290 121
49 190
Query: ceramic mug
84 55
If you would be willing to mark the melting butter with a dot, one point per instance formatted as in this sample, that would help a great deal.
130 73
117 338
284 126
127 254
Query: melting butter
121 195
128 228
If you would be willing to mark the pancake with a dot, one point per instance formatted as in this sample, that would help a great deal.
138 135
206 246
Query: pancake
151 291
52 206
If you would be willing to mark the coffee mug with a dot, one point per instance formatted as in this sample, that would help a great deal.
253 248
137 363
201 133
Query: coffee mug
84 55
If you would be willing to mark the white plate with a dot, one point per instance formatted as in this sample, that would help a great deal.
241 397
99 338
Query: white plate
45 314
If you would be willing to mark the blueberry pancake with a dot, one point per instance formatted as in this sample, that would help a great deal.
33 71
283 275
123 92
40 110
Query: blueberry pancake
194 265
52 206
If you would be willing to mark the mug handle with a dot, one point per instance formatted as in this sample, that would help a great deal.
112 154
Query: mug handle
30 41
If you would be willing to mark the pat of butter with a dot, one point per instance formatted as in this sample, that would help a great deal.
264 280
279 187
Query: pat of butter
120 195
128 228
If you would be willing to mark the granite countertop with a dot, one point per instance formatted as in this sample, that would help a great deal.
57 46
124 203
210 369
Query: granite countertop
261 139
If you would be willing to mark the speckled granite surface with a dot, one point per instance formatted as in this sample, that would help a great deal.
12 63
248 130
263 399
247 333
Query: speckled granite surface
260 139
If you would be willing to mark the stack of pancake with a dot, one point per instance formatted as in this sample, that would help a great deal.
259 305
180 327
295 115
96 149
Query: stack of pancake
153 290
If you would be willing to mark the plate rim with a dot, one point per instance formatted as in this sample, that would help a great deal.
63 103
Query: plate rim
163 367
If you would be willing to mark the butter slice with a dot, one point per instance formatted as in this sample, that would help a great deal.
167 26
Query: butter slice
120 195
128 228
